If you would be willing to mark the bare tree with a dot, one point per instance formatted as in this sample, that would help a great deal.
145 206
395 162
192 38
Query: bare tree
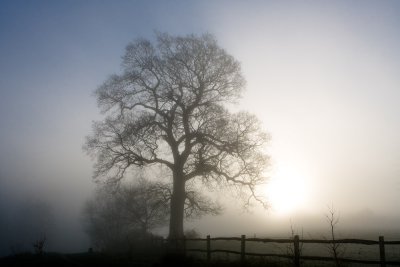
115 219
31 226
38 245
145 203
336 249
167 108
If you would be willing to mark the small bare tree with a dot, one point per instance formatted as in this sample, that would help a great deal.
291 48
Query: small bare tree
290 250
38 245
32 226
336 249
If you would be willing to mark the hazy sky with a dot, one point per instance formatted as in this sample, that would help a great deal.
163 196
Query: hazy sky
323 77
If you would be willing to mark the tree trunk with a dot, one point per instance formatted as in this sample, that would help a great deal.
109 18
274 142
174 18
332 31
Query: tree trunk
177 207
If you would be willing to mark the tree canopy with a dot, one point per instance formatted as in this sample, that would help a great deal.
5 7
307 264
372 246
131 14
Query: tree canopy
168 107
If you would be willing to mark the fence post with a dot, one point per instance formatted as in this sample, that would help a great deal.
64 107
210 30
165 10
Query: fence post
208 249
164 245
243 250
382 251
184 246
296 245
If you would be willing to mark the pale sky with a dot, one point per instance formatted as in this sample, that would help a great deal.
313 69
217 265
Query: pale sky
322 76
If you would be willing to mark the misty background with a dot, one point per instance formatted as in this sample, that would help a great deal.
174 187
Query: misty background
323 77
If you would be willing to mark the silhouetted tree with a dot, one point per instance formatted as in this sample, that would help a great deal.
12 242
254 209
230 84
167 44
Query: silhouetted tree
38 245
31 226
336 249
192 233
167 108
116 219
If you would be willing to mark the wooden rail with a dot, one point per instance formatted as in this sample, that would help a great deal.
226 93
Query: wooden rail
296 241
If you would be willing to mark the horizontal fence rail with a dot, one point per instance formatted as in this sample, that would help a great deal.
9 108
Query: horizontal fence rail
296 242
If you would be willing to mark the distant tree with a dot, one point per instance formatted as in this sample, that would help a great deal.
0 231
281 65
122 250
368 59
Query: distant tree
39 244
192 233
167 108
117 218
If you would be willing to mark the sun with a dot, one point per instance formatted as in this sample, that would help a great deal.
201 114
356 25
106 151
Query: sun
287 190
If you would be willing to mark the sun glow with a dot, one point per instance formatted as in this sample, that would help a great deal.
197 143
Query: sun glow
287 191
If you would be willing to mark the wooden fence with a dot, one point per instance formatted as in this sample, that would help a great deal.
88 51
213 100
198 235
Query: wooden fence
296 255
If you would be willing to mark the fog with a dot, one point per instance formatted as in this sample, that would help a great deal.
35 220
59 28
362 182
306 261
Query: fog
322 77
